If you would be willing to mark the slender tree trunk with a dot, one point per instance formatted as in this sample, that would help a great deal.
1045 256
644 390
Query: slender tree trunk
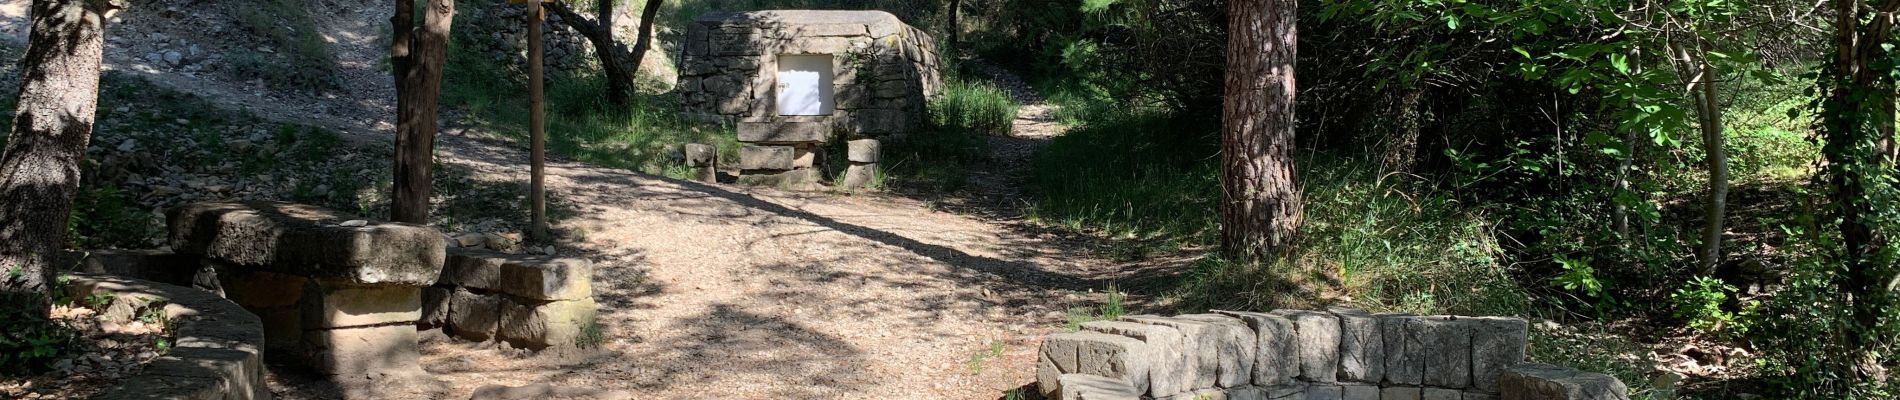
956 30
39 170
619 64
537 134
1260 201
1714 144
416 55
1401 148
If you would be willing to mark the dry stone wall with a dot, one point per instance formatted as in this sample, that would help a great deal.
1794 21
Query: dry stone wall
527 301
883 72
1339 354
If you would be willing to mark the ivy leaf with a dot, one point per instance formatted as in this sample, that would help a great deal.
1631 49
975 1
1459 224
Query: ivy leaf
1621 62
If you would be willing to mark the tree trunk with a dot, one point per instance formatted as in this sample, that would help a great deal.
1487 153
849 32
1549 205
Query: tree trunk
956 9
416 55
1853 150
1709 112
537 133
619 64
1401 147
39 170
1260 202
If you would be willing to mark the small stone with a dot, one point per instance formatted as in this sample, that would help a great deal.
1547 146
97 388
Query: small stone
128 145
354 223
173 57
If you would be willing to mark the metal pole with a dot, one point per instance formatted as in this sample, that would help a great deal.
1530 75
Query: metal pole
537 135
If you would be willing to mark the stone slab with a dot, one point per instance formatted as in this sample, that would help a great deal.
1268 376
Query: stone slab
1275 359
767 157
543 325
1354 391
474 316
862 151
1401 393
1092 387
308 241
783 132
473 268
1534 381
1496 343
802 179
1200 353
1470 395
700 155
361 351
1234 342
1404 352
858 176
544 277
1091 353
337 304
1361 348
1447 352
1202 394
1432 393
1317 342
1171 366
1324 392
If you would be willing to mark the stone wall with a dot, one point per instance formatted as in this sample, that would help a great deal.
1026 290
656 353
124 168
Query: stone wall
883 73
500 32
526 301
1296 354
218 350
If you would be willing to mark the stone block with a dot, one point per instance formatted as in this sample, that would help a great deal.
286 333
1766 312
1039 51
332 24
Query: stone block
1469 395
1400 393
1355 391
1275 359
832 30
800 179
1324 392
804 157
1532 381
542 325
1404 353
363 350
337 304
308 241
435 307
1172 368
784 132
1293 391
473 268
858 176
735 43
1203 394
1092 353
700 155
1447 352
1199 353
1317 342
1234 345
767 157
862 151
258 289
879 122
544 277
1091 387
1361 349
1432 393
474 316
1496 343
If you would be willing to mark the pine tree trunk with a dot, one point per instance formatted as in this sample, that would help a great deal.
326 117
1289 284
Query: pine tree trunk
39 170
416 55
1260 201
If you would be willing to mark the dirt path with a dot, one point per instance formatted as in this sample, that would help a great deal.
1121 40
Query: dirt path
716 291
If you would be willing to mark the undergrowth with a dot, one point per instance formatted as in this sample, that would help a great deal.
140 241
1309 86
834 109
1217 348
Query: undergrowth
299 59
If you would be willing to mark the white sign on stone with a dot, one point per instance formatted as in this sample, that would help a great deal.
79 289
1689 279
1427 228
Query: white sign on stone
804 84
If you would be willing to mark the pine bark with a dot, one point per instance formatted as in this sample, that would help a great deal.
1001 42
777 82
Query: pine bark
1260 200
39 170
416 55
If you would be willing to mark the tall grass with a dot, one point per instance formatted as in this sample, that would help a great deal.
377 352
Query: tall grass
973 107
581 124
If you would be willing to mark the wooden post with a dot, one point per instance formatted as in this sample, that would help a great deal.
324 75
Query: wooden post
537 134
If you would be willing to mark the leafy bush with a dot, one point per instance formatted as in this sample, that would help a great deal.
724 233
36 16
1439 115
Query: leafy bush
974 107
1700 303
108 217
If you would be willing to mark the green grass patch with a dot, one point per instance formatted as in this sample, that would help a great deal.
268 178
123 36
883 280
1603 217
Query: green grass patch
973 107
581 124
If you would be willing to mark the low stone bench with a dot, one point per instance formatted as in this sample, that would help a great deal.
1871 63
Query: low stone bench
1339 354
342 295
218 351
527 301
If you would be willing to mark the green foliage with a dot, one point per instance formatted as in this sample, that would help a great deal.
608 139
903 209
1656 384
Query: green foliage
1700 303
592 335
300 58
1109 310
1139 175
973 107
581 124
105 217
30 342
